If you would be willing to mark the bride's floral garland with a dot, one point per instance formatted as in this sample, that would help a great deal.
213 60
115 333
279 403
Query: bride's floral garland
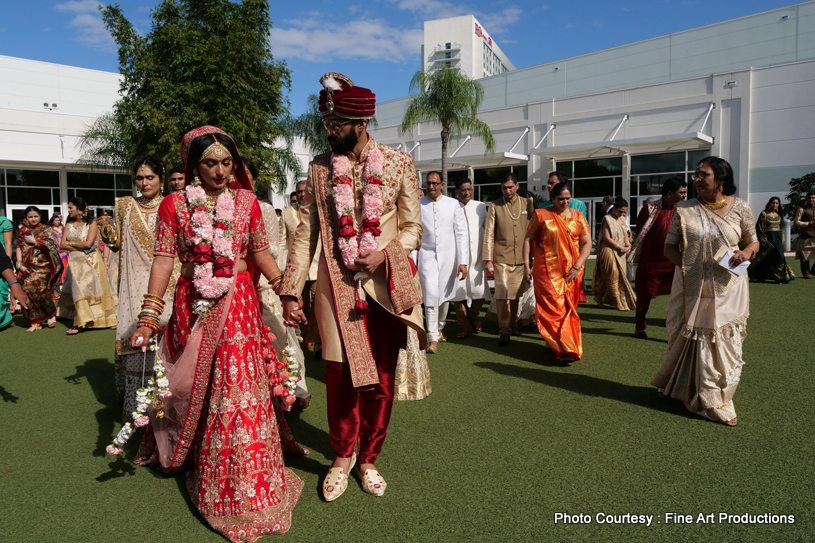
351 243
212 255
284 375
153 394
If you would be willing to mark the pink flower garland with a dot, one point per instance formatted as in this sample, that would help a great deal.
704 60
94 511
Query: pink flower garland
213 255
351 243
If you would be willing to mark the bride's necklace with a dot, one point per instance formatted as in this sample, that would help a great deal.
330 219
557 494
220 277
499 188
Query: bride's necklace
511 216
149 204
713 206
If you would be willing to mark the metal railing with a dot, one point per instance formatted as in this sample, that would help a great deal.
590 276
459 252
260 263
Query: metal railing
450 46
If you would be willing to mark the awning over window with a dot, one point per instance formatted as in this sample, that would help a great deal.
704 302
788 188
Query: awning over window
689 141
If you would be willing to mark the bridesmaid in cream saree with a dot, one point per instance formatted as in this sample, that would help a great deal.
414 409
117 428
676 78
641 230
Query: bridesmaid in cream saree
131 236
709 306
86 297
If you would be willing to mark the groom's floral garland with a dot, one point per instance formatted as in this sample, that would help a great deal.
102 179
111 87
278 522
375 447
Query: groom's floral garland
351 244
153 394
212 255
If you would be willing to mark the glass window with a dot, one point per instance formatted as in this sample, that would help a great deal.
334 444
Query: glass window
520 173
598 167
104 198
588 188
566 168
695 156
647 185
32 178
663 162
29 196
124 181
490 175
87 180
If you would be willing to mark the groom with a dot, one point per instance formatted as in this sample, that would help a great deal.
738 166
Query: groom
362 205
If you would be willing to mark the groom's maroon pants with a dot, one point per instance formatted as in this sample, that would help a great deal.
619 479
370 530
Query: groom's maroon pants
363 415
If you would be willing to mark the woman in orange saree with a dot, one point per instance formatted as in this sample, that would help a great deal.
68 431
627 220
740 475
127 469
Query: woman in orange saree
219 416
557 270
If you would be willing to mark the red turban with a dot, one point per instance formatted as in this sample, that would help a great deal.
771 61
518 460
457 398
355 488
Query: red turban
340 97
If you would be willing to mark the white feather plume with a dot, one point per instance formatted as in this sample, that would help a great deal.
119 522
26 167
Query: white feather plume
332 84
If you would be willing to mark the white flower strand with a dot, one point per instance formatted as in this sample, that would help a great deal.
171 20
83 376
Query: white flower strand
153 394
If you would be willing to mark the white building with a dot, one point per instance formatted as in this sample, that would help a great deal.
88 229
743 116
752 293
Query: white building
463 43
620 121
44 108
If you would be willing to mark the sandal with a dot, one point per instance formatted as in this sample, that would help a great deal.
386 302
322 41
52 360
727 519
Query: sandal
51 322
72 331
34 328
732 422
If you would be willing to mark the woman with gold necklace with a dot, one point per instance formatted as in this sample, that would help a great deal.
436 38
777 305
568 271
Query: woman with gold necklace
556 234
86 297
709 305
131 234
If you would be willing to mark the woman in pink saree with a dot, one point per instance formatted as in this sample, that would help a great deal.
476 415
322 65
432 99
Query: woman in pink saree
220 414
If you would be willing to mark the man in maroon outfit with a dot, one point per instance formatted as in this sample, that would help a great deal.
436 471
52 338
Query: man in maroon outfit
655 273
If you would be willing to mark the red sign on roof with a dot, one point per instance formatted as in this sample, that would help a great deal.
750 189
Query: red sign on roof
480 33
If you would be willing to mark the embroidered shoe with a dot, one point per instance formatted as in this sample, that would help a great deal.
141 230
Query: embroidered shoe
336 481
372 482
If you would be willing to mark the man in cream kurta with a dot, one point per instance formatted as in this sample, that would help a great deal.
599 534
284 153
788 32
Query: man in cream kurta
504 232
442 255
289 220
471 291
362 309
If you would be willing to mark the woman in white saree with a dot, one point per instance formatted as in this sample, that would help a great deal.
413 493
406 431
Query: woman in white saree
709 306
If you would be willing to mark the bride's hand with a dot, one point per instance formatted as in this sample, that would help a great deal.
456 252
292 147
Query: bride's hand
140 338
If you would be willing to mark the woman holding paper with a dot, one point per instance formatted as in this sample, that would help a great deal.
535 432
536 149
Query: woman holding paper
710 300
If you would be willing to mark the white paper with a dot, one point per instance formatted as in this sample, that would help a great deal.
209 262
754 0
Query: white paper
724 261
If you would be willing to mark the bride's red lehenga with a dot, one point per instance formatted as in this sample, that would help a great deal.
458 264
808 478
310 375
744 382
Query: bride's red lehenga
222 419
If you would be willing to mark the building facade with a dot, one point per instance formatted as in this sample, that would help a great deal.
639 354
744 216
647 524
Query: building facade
462 43
621 121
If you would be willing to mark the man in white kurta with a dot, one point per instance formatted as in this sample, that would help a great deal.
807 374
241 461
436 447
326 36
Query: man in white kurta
443 255
470 293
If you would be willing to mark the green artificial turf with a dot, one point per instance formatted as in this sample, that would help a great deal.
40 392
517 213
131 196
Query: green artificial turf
507 439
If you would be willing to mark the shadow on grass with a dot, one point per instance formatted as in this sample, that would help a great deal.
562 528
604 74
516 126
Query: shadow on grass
119 467
8 396
591 386
608 332
99 374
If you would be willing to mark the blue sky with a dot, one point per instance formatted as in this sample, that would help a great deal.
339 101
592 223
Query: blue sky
375 43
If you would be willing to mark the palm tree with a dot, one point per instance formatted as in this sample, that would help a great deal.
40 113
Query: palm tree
450 99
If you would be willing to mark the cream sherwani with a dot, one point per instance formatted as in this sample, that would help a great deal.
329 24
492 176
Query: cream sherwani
474 287
401 228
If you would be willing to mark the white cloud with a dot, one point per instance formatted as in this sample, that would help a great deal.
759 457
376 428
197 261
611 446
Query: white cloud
495 22
87 20
370 39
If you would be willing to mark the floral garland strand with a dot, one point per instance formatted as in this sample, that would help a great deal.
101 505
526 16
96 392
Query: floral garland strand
213 256
153 394
283 374
351 243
